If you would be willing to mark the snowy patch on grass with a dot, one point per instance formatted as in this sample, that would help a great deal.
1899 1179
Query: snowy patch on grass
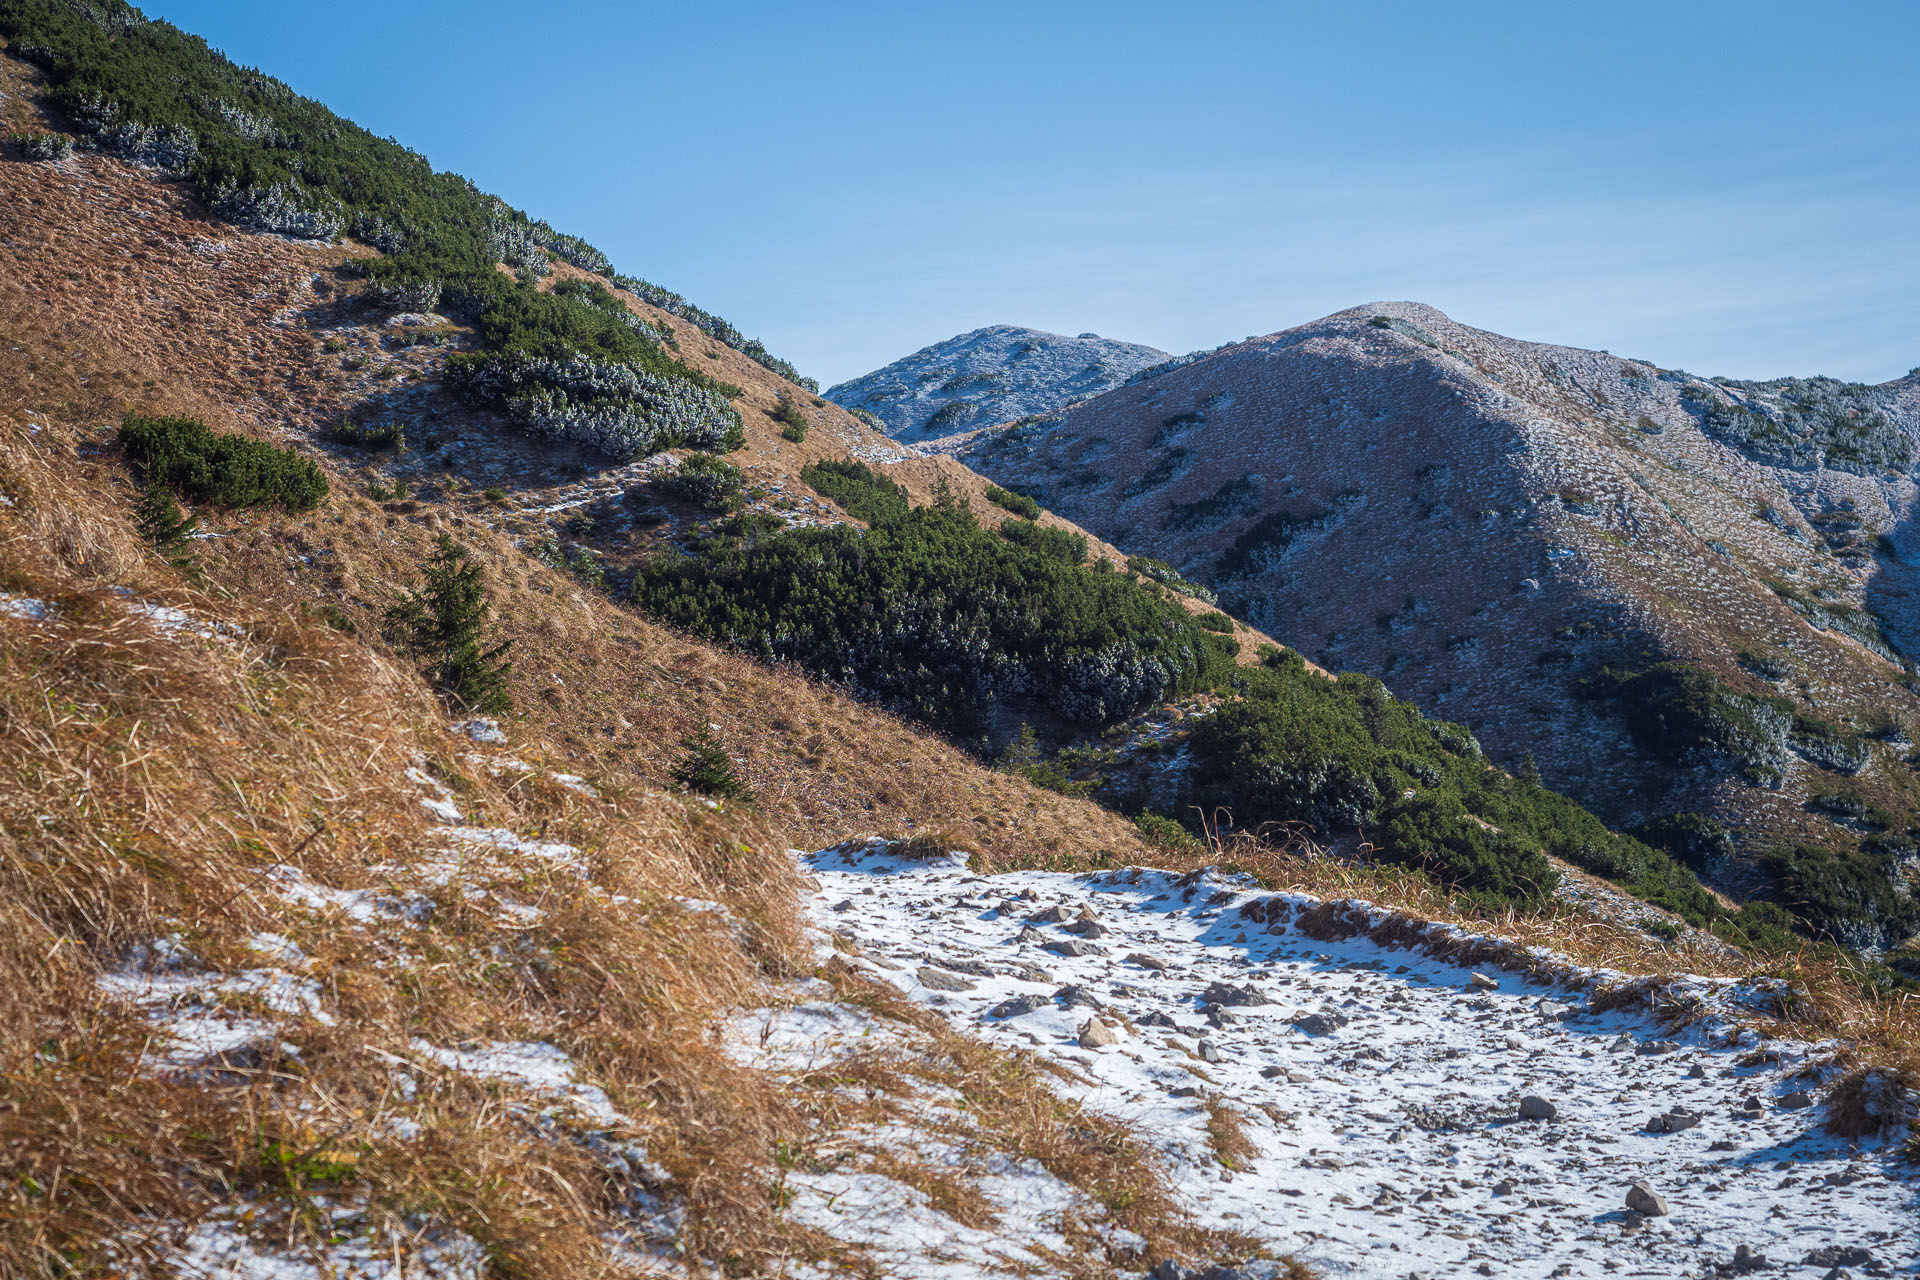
533 1066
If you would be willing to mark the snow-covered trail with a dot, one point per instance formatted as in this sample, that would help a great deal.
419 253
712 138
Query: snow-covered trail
1381 1088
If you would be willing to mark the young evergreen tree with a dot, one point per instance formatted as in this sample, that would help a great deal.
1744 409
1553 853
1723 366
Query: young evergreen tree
706 767
160 519
444 622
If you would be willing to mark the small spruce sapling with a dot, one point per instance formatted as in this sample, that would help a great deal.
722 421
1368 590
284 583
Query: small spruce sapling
706 767
444 622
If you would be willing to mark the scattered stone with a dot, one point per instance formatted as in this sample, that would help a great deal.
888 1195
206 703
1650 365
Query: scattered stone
1088 928
1503 1187
1146 961
1838 1255
1320 1024
1096 1034
1796 1100
941 980
1232 996
1481 982
1184 1091
1643 1199
1652 1047
1677 1120
1207 1052
1031 973
1698 1072
1745 1260
1018 1005
1156 1018
1052 915
1073 994
1074 947
1534 1107
1272 1073
1030 934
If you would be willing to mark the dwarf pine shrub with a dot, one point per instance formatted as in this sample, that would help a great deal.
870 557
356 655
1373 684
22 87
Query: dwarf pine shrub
279 209
43 148
932 613
710 483
1018 503
221 468
792 419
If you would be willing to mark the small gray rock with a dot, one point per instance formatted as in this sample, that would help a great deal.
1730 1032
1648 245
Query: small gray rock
1481 982
1087 928
1652 1047
1031 973
1642 1198
1534 1107
941 980
1052 915
1232 996
1074 947
1146 961
1796 1100
1018 1006
1207 1052
1745 1260
1073 994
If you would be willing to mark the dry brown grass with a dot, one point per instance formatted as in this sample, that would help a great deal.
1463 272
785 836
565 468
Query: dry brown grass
1227 1135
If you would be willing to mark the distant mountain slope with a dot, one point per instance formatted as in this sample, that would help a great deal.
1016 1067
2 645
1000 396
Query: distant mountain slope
1491 525
991 375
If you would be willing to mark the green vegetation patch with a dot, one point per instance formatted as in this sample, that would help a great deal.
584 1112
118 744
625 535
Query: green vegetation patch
222 468
1018 503
1346 756
932 613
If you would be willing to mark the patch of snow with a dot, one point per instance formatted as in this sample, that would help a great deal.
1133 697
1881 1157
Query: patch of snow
219 1248
1380 1087
481 729
799 1038
531 1065
574 782
561 855
362 906
25 608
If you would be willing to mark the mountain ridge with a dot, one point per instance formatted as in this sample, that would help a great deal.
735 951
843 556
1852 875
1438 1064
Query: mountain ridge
990 374
1489 524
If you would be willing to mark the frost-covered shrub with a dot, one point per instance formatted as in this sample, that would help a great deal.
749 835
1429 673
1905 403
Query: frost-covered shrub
39 55
373 230
168 148
1803 422
404 295
581 254
1165 574
604 405
244 123
514 241
714 327
41 147
276 210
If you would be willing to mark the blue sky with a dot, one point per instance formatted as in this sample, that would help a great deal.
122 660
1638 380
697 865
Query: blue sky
1726 187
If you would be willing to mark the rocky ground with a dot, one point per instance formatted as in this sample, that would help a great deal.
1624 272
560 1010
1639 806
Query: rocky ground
1377 1111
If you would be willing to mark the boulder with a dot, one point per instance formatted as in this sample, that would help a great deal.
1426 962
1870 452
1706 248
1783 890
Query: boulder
1534 1107
1642 1198
1096 1034
941 980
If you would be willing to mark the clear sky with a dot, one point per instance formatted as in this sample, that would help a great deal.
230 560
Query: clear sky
1726 187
